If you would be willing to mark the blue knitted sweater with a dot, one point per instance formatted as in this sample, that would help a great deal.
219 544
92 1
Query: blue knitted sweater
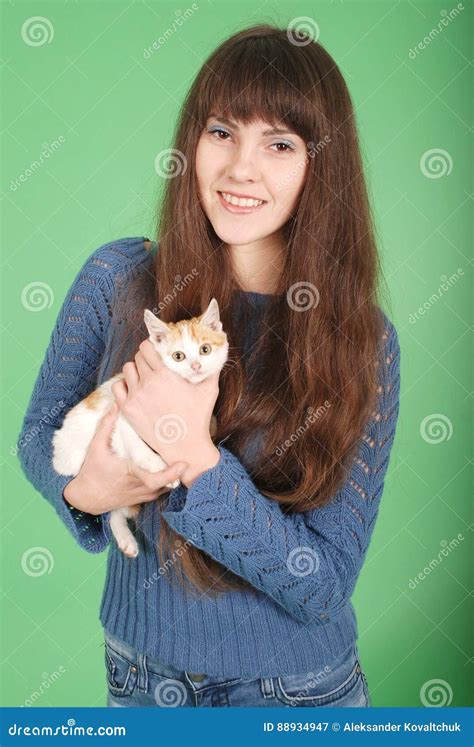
296 621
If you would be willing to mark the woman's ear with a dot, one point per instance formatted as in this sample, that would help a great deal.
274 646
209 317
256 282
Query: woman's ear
156 328
210 318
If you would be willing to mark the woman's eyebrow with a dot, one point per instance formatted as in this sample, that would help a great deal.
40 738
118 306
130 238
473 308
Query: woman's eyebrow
271 131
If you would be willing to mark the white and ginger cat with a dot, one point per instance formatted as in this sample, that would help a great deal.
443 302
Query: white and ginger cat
195 349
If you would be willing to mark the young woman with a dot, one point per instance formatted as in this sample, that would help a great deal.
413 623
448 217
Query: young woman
240 594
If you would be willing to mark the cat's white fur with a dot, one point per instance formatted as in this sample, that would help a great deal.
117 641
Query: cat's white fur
71 441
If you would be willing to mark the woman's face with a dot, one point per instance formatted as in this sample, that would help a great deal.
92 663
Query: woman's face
253 161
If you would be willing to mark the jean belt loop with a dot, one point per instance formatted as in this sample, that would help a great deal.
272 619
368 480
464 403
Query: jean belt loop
142 683
266 687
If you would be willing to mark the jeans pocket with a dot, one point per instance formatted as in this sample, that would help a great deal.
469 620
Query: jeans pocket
310 690
121 673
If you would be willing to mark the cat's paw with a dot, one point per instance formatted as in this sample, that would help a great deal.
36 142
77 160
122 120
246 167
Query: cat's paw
129 548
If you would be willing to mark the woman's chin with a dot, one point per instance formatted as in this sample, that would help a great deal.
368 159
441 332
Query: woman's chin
238 234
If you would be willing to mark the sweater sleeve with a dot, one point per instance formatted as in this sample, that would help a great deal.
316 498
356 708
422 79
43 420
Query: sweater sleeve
68 373
307 562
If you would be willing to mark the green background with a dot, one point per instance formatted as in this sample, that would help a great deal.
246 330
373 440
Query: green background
115 110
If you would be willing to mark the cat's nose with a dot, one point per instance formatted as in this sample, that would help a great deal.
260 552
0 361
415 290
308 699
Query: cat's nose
196 366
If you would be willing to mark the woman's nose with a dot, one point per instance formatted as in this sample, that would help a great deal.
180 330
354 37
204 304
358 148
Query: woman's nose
243 165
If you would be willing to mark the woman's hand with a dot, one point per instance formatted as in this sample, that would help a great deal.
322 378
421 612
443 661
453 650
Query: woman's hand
171 414
104 482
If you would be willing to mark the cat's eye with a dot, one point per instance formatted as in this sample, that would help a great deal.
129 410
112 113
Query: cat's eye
178 355
205 349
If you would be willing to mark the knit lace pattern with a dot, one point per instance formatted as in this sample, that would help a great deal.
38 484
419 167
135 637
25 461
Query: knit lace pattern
303 566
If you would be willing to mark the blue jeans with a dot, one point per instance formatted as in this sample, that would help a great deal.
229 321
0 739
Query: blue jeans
136 680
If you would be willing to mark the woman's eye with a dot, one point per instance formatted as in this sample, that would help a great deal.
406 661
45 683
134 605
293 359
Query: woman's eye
216 130
287 146
205 349
178 355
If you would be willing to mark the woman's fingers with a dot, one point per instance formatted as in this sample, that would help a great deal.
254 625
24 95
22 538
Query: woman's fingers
131 374
142 493
144 496
120 392
156 480
146 361
150 355
142 364
106 426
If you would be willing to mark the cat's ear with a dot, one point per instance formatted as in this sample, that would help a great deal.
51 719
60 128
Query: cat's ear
156 328
210 318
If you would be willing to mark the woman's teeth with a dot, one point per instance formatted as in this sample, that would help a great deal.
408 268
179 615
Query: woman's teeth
241 201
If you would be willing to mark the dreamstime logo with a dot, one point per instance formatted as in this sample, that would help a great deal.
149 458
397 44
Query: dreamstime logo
302 31
179 284
44 420
170 428
46 681
36 561
37 296
170 163
48 149
436 428
312 150
313 415
446 284
447 17
446 549
302 296
177 23
315 679
37 31
170 693
180 550
436 694
302 561
436 163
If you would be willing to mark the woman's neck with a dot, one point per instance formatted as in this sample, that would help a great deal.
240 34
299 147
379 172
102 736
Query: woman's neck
257 266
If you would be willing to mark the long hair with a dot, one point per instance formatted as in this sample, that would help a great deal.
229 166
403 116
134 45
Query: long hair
318 350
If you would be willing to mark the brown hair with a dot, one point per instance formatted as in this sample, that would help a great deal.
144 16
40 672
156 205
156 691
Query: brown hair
325 357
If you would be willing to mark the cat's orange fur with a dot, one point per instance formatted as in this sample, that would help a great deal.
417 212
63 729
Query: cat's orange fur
195 330
93 399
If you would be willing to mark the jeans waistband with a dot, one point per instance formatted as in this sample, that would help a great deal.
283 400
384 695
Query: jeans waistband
157 666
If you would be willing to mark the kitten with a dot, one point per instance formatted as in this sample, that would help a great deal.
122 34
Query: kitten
194 349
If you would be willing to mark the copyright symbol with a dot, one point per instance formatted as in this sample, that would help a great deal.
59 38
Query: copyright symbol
336 726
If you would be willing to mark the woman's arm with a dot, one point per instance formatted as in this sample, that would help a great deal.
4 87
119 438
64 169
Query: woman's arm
68 373
307 562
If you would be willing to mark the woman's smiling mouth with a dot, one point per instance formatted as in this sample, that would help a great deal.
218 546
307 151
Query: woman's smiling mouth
235 204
